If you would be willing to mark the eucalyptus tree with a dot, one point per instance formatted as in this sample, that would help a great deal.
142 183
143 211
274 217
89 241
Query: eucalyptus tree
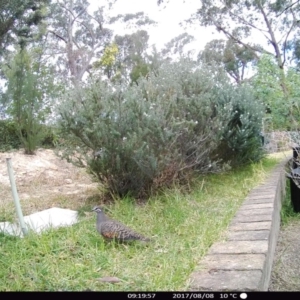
274 23
132 55
231 56
126 58
79 36
76 36
176 45
239 19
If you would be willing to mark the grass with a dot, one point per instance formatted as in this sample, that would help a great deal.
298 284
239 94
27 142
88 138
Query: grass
288 215
183 226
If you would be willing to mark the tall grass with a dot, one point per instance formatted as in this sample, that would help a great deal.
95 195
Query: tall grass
287 212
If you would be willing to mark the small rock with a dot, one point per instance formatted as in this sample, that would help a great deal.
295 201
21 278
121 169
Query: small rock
109 279
68 181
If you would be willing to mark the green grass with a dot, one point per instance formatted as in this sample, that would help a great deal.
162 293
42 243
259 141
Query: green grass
287 212
183 226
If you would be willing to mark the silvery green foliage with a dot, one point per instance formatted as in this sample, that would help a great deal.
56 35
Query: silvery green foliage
242 135
129 137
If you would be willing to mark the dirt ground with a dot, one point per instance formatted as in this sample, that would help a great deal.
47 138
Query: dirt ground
43 181
285 274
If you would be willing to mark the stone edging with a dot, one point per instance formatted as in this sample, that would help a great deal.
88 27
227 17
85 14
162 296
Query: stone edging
244 261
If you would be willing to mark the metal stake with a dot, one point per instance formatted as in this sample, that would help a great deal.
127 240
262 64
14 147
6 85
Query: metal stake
15 196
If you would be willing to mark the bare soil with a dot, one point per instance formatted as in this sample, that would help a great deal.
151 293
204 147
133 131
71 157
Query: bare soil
285 274
44 180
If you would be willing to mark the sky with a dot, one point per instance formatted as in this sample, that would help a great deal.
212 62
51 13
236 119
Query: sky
168 18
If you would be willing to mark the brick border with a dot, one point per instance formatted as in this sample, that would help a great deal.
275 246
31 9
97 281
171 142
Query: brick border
244 261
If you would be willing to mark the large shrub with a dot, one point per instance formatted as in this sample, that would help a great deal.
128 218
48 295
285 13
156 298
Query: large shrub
241 138
9 138
153 132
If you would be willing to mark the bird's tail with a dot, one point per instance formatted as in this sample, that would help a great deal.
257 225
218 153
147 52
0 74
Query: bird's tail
145 239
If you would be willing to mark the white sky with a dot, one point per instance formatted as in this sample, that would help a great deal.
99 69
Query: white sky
168 18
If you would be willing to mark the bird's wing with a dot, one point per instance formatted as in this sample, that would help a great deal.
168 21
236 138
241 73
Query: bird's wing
113 229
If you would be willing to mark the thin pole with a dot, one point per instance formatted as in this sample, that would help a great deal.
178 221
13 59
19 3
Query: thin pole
15 196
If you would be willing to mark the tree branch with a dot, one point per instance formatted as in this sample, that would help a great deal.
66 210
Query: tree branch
57 35
228 34
285 43
273 39
247 23
289 6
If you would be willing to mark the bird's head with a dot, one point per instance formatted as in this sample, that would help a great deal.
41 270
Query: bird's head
97 209
101 217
